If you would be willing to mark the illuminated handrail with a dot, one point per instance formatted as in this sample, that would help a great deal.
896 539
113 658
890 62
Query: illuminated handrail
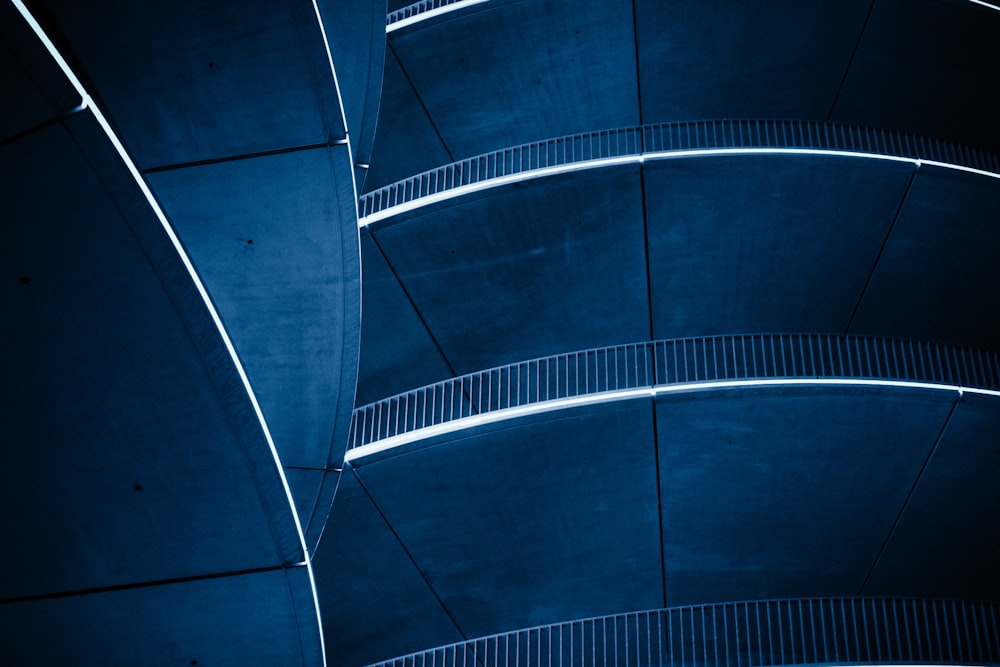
664 140
669 362
812 631
418 9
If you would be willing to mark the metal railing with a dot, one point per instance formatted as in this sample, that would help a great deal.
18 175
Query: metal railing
416 9
668 138
894 631
667 362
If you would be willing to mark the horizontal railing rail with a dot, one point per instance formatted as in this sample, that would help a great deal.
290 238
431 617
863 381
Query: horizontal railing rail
668 362
416 9
667 138
896 631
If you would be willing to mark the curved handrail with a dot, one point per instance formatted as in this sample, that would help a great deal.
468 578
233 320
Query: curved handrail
664 140
660 363
425 9
419 11
862 630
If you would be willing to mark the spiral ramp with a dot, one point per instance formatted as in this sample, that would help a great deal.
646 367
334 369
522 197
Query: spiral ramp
669 331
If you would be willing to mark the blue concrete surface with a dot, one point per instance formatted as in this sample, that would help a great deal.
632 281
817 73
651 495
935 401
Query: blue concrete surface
252 619
937 278
777 492
773 59
947 532
397 352
921 66
765 243
406 142
375 601
547 518
537 268
183 84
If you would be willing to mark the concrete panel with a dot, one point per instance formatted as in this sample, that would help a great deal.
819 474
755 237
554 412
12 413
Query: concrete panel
33 85
721 59
132 452
513 72
267 236
946 542
305 484
765 243
543 519
176 77
786 492
538 268
376 605
406 142
926 67
255 619
397 353
937 278
356 33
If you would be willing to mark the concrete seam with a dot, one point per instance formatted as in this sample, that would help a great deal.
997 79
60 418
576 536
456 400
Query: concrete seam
406 292
881 250
423 106
659 501
237 158
638 78
412 560
909 495
148 584
850 61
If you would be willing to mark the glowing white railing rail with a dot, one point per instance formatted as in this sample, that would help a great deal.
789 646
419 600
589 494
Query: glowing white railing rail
662 141
686 361
814 631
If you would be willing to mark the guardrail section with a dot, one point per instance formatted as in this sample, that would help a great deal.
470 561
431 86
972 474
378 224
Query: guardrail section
662 140
671 362
896 631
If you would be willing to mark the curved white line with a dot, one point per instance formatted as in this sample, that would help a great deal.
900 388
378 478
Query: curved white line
632 394
417 18
88 102
640 158
423 16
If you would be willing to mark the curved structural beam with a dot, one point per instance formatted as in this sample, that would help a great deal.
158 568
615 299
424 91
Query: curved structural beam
162 487
827 631
641 370
635 145
234 117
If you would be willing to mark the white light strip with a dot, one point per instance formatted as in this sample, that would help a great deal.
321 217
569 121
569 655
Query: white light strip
495 416
417 18
498 181
631 394
423 16
640 158
154 205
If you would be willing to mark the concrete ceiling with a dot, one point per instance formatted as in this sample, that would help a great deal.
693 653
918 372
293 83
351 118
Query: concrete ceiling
151 518
137 478
688 498
518 71
242 139
693 246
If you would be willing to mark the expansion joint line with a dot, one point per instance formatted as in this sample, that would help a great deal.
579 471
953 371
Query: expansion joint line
850 61
420 100
409 555
885 243
913 489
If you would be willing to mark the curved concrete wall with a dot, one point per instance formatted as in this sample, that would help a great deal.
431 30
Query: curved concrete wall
143 494
501 72
235 118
